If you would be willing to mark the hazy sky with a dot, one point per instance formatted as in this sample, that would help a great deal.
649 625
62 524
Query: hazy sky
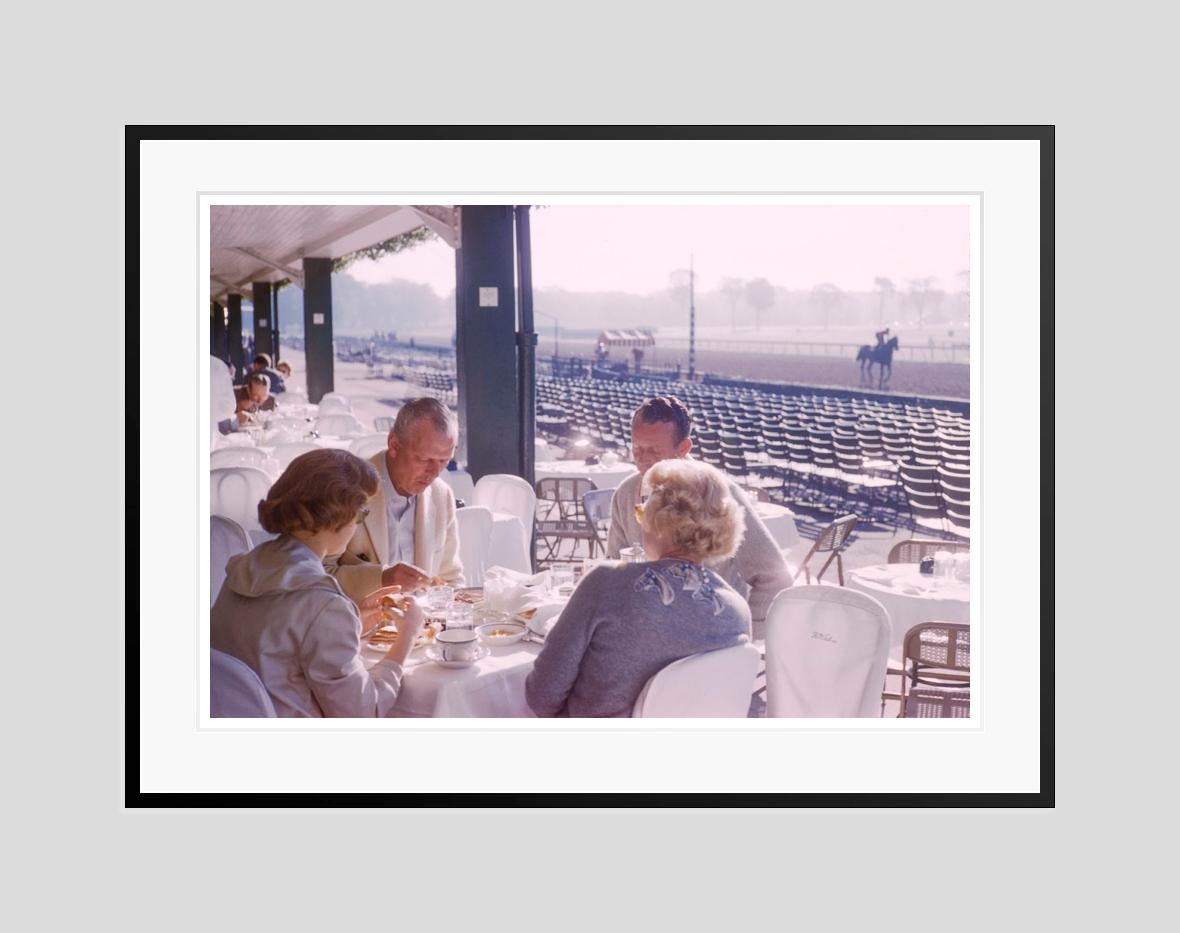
635 248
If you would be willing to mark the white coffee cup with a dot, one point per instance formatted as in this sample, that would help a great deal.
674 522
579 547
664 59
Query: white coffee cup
457 644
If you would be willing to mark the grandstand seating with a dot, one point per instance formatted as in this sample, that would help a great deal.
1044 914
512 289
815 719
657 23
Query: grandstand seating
892 463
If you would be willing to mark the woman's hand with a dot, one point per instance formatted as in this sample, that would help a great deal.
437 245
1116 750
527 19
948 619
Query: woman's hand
376 609
410 620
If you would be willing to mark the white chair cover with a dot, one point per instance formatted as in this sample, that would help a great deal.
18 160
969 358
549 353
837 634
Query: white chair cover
503 492
715 683
383 423
222 402
475 541
235 493
238 456
461 484
226 538
334 405
285 453
826 652
339 425
235 692
368 444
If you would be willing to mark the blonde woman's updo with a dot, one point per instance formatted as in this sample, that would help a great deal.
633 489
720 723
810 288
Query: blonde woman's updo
321 489
689 506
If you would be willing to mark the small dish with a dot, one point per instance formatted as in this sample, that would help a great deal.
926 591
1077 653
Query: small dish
433 653
498 634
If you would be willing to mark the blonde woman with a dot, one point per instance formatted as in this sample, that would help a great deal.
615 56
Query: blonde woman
627 621
288 619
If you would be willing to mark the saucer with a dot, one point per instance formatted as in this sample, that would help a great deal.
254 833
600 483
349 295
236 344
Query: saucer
434 654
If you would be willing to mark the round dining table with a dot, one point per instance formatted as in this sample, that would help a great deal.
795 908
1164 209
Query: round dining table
780 522
911 597
604 476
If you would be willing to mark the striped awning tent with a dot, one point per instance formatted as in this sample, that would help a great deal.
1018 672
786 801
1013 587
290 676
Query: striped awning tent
626 338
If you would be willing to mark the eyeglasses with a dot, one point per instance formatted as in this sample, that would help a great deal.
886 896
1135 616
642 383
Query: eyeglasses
363 515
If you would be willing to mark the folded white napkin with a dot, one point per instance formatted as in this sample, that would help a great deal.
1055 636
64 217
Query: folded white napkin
510 591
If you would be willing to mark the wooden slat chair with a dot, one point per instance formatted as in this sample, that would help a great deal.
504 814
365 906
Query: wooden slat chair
913 550
936 682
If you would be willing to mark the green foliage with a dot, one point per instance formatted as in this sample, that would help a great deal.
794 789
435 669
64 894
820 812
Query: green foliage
397 244
402 241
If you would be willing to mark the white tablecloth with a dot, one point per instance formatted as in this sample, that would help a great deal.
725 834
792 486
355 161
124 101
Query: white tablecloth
911 597
509 546
603 476
780 522
492 687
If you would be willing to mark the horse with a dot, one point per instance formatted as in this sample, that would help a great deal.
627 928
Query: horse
883 355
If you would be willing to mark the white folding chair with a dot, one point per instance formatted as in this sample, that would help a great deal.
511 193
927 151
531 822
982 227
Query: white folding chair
339 425
475 541
826 651
235 493
283 454
715 683
235 691
238 456
368 444
504 492
226 538
383 423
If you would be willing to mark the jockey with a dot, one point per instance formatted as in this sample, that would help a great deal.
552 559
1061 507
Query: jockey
881 335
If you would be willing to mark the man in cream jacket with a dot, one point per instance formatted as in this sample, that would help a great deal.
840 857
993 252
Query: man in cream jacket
409 535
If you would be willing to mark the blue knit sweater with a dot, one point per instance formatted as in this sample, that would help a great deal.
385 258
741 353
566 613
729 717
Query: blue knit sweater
624 623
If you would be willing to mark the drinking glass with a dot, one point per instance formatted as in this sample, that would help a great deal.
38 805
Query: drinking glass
561 578
438 601
459 616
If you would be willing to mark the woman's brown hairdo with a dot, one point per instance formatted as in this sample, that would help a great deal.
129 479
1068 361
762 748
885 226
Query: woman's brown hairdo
321 489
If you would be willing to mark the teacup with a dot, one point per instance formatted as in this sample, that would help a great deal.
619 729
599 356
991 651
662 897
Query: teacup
633 555
457 644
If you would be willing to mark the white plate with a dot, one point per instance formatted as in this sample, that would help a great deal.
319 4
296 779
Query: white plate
433 654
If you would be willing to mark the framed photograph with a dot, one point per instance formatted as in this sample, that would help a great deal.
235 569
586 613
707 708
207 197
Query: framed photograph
853 318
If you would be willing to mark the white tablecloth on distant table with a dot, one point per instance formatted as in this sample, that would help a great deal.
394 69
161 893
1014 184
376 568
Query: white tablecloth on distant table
780 522
912 597
509 546
492 687
603 476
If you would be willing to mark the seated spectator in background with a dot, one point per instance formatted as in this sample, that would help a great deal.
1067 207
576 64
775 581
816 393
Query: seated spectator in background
410 536
261 364
253 397
289 620
660 431
626 622
284 369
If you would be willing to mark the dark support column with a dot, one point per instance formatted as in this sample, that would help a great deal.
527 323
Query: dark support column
263 323
274 324
526 343
317 327
485 306
233 336
217 344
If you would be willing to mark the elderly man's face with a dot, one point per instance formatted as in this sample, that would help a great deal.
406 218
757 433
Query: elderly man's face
416 464
258 393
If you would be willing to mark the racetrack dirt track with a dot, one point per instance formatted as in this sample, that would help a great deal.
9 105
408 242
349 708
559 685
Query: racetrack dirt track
950 380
